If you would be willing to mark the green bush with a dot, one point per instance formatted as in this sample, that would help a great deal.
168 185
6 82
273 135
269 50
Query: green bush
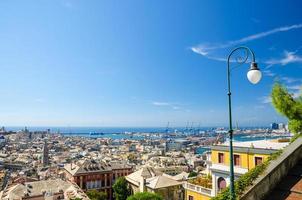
145 196
96 195
192 174
121 189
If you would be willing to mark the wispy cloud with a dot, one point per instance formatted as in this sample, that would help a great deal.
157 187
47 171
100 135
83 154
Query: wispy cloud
173 106
288 57
265 99
157 103
269 73
295 87
199 50
206 49
295 90
289 80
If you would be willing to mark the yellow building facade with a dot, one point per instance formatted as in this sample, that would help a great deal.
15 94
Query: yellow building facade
191 195
245 158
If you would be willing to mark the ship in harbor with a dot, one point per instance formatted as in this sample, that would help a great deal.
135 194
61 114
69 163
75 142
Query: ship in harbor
95 134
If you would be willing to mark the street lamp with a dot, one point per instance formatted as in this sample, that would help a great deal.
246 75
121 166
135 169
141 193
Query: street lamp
254 76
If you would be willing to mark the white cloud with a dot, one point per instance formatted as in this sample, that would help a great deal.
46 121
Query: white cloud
206 49
199 50
202 51
288 57
265 99
174 106
289 80
295 87
268 73
157 103
295 90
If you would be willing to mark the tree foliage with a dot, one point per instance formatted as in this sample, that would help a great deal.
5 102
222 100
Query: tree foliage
288 106
192 174
96 195
121 189
145 196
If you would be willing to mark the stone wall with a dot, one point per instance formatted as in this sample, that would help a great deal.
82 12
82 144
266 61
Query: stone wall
274 173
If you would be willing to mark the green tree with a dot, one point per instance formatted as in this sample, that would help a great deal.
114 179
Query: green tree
121 189
192 174
288 106
96 195
145 196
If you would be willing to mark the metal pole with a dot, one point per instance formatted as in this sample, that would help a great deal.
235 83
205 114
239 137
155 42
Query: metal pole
232 189
248 50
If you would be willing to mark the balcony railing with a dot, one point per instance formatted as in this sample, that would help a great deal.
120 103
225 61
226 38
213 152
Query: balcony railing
226 168
197 188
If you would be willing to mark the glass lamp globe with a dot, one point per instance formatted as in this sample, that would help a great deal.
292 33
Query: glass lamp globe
254 74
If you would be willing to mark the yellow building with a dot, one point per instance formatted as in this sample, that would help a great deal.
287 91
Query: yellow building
246 156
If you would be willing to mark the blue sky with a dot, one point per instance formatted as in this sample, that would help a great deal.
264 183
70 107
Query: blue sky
143 63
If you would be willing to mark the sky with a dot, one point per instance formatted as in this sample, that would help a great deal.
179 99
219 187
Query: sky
143 63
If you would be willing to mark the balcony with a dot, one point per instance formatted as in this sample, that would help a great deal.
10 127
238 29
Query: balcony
197 188
226 168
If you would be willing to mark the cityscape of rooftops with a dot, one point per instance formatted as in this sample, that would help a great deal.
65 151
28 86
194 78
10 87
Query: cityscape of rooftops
150 100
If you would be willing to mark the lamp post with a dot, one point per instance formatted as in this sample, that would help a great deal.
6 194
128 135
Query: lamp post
254 76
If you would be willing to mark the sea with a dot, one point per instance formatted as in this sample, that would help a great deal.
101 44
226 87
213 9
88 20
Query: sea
123 133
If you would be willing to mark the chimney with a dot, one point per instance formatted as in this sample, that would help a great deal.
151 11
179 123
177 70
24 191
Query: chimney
142 184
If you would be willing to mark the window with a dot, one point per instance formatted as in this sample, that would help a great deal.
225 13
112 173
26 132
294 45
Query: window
237 160
191 197
220 158
221 183
258 160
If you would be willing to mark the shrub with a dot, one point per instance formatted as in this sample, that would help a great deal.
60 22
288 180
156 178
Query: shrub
145 196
